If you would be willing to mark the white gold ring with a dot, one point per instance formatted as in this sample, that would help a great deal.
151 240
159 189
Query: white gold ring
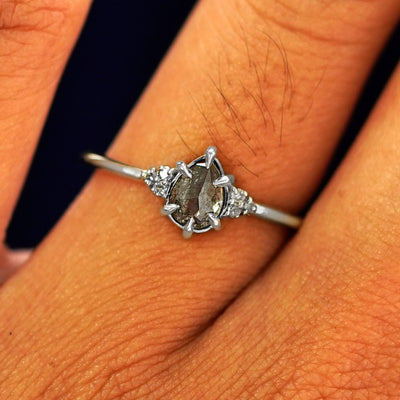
197 195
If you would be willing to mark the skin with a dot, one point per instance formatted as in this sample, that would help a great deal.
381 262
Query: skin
114 305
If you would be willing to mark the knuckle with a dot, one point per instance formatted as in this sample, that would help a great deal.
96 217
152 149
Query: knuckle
30 32
29 16
339 24
246 92
258 88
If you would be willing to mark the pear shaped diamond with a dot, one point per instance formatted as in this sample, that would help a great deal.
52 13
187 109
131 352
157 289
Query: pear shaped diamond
197 196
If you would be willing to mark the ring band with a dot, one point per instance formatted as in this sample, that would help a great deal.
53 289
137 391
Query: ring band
197 194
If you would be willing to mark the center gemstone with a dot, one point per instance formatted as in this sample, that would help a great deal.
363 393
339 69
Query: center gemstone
197 196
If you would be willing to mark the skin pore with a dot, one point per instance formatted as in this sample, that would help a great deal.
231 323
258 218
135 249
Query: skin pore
114 305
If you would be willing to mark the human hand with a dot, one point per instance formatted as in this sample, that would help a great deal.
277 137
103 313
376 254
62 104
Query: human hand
114 304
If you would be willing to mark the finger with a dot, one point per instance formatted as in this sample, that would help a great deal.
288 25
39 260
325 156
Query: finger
324 322
210 93
36 38
128 272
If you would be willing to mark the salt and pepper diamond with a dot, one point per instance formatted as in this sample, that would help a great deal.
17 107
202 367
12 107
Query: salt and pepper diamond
198 194
195 201
197 197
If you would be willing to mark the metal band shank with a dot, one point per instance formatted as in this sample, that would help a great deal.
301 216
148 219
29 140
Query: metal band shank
129 171
114 166
277 216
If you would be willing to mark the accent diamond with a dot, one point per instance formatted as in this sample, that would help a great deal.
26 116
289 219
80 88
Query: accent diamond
159 179
239 203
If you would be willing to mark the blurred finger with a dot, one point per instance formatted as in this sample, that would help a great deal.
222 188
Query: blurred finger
10 261
36 38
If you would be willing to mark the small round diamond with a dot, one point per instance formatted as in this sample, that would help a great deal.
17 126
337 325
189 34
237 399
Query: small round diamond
159 180
239 203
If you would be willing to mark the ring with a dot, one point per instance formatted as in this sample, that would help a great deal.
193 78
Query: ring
197 195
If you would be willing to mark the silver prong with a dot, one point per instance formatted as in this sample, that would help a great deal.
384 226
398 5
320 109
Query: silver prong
214 221
211 153
222 181
188 229
232 179
169 209
183 169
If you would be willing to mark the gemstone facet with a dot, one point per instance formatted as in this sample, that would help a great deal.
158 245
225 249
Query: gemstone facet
197 196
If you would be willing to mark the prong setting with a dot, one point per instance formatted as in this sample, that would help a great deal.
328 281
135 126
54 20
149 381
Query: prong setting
188 228
223 181
210 155
183 169
214 221
198 196
169 209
